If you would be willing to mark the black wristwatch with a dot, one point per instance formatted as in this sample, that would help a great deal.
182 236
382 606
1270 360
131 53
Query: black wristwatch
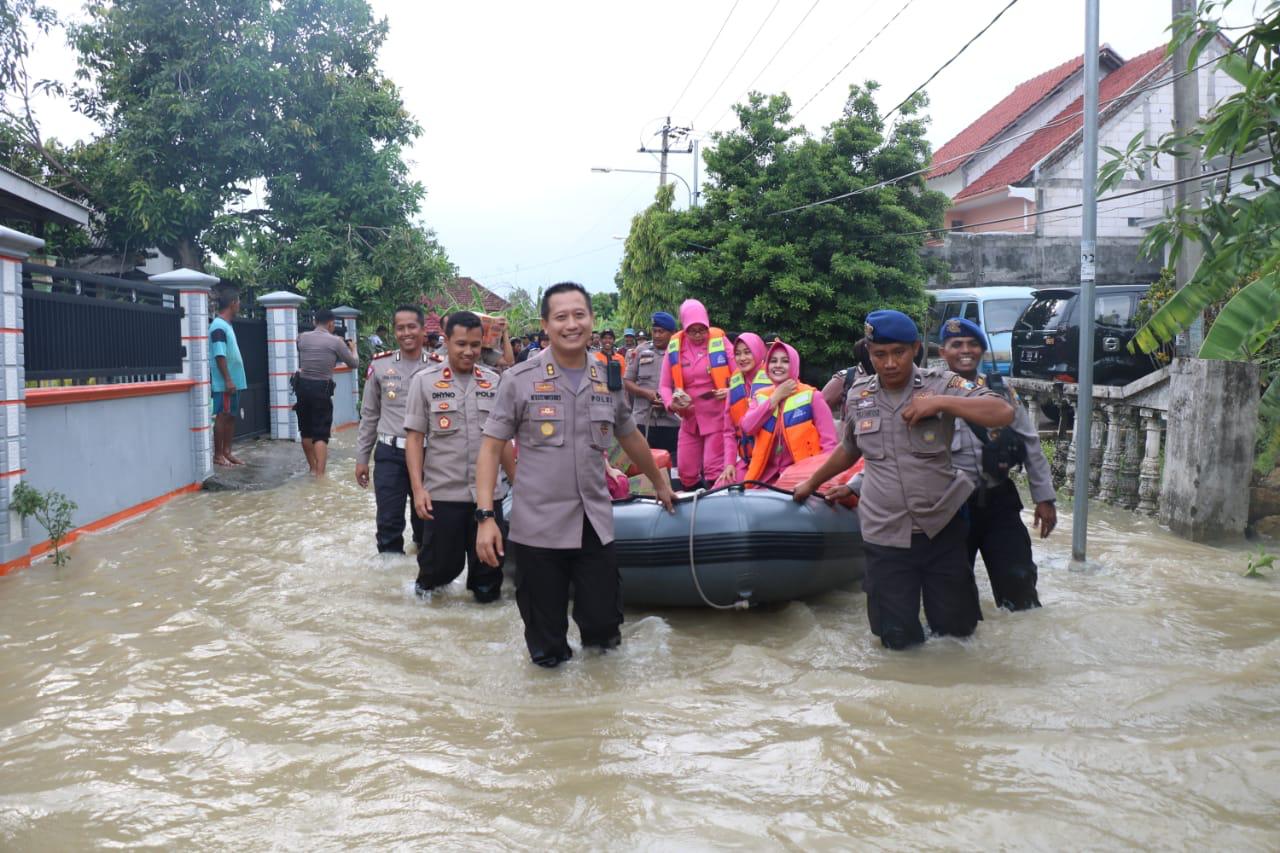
482 514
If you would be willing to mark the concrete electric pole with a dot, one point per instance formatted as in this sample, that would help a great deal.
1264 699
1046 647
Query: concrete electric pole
669 135
1186 112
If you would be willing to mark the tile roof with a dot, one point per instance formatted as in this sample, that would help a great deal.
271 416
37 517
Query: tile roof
989 125
461 291
1020 162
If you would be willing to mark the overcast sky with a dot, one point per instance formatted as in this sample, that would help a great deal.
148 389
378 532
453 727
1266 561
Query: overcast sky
520 100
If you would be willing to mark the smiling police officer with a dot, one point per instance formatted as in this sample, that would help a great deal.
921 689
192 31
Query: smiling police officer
563 414
987 456
901 421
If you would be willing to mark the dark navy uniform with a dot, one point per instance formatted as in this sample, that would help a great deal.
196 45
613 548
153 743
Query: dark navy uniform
386 395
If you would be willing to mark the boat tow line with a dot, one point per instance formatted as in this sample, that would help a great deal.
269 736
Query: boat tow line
741 603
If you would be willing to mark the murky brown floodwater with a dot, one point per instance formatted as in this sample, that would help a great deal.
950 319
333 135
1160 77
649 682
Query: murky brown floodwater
236 671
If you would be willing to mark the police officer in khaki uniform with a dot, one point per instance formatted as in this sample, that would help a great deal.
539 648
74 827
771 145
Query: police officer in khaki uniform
660 427
448 405
901 420
563 414
386 391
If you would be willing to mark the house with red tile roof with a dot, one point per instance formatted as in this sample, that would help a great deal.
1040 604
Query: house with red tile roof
1023 156
462 293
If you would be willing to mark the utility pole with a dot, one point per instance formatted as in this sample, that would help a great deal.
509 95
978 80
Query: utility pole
1088 276
697 159
1186 163
669 134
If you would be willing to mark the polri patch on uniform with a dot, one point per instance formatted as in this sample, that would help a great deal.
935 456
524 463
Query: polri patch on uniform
444 406
866 404
443 385
864 393
544 387
548 428
601 388
483 384
547 411
391 395
444 422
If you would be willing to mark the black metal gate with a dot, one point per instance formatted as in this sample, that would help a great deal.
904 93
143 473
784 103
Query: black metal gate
255 399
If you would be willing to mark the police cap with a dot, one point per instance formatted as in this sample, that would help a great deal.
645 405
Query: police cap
958 327
887 326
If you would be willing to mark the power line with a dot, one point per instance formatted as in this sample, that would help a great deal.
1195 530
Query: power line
519 269
926 231
734 67
704 56
951 60
996 143
760 74
852 58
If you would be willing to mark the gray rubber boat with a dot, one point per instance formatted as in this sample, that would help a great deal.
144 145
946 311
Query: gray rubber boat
755 546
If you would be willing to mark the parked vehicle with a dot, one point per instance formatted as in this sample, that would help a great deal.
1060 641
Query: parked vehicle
1046 339
995 309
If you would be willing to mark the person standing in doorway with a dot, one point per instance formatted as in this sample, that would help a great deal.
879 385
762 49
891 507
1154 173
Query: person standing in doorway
319 351
227 377
382 433
563 414
448 405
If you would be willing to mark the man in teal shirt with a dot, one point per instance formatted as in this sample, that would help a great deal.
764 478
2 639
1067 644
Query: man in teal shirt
226 376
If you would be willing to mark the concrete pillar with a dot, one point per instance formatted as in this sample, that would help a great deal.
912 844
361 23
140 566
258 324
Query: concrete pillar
1112 454
282 360
1213 414
1131 465
348 316
1149 471
192 288
14 249
1097 443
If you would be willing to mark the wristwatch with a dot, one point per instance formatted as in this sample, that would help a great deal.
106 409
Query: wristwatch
482 514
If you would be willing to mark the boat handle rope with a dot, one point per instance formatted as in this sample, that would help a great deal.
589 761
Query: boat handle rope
741 603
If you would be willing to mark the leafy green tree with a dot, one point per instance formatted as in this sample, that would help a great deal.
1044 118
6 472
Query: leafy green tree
645 281
1237 230
812 274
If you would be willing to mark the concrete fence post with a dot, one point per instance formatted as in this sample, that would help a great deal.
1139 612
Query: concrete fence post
1209 444
348 316
192 289
282 359
14 249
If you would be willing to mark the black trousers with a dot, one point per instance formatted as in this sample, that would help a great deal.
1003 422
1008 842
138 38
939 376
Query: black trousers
391 491
449 545
543 578
314 408
933 569
996 530
663 438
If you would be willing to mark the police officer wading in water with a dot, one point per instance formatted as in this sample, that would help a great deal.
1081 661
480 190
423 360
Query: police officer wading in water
448 405
995 525
901 421
319 351
563 414
386 394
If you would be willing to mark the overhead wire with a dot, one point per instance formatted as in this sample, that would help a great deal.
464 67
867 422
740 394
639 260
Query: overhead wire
996 143
524 268
760 73
701 62
736 62
957 55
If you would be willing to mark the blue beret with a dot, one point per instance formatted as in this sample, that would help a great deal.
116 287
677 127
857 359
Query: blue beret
663 320
958 327
891 327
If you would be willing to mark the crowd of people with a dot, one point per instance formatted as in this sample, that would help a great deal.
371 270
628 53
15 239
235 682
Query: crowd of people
450 426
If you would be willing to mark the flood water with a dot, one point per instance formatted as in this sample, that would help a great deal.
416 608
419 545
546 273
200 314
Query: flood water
236 670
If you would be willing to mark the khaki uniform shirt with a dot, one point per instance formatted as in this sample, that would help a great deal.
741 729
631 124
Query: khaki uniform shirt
319 351
561 433
966 453
386 392
451 413
644 367
910 483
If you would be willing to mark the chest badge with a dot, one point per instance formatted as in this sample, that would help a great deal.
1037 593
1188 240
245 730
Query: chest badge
444 406
543 387
447 374
865 425
443 385
391 395
483 384
548 429
444 422
547 411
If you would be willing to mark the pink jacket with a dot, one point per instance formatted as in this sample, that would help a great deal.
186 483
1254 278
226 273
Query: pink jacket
707 415
754 419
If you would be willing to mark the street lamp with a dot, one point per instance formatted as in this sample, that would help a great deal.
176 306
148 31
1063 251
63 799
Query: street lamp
607 170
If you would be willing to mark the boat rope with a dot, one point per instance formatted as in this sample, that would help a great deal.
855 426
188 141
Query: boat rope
740 604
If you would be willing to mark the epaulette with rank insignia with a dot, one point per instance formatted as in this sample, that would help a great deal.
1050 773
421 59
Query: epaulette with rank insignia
436 357
379 355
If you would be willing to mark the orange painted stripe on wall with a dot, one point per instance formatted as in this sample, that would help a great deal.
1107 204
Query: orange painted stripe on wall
37 397
101 524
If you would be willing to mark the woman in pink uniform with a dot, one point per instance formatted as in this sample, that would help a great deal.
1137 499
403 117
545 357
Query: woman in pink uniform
749 379
695 385
789 421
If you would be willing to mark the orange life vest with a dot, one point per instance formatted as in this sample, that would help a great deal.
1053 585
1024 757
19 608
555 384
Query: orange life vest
717 354
739 402
799 432
617 356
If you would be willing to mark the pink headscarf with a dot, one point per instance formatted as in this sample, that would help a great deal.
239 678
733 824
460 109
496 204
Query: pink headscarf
755 343
693 312
791 354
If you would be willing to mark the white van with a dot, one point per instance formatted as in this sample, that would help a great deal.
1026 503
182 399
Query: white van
995 309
